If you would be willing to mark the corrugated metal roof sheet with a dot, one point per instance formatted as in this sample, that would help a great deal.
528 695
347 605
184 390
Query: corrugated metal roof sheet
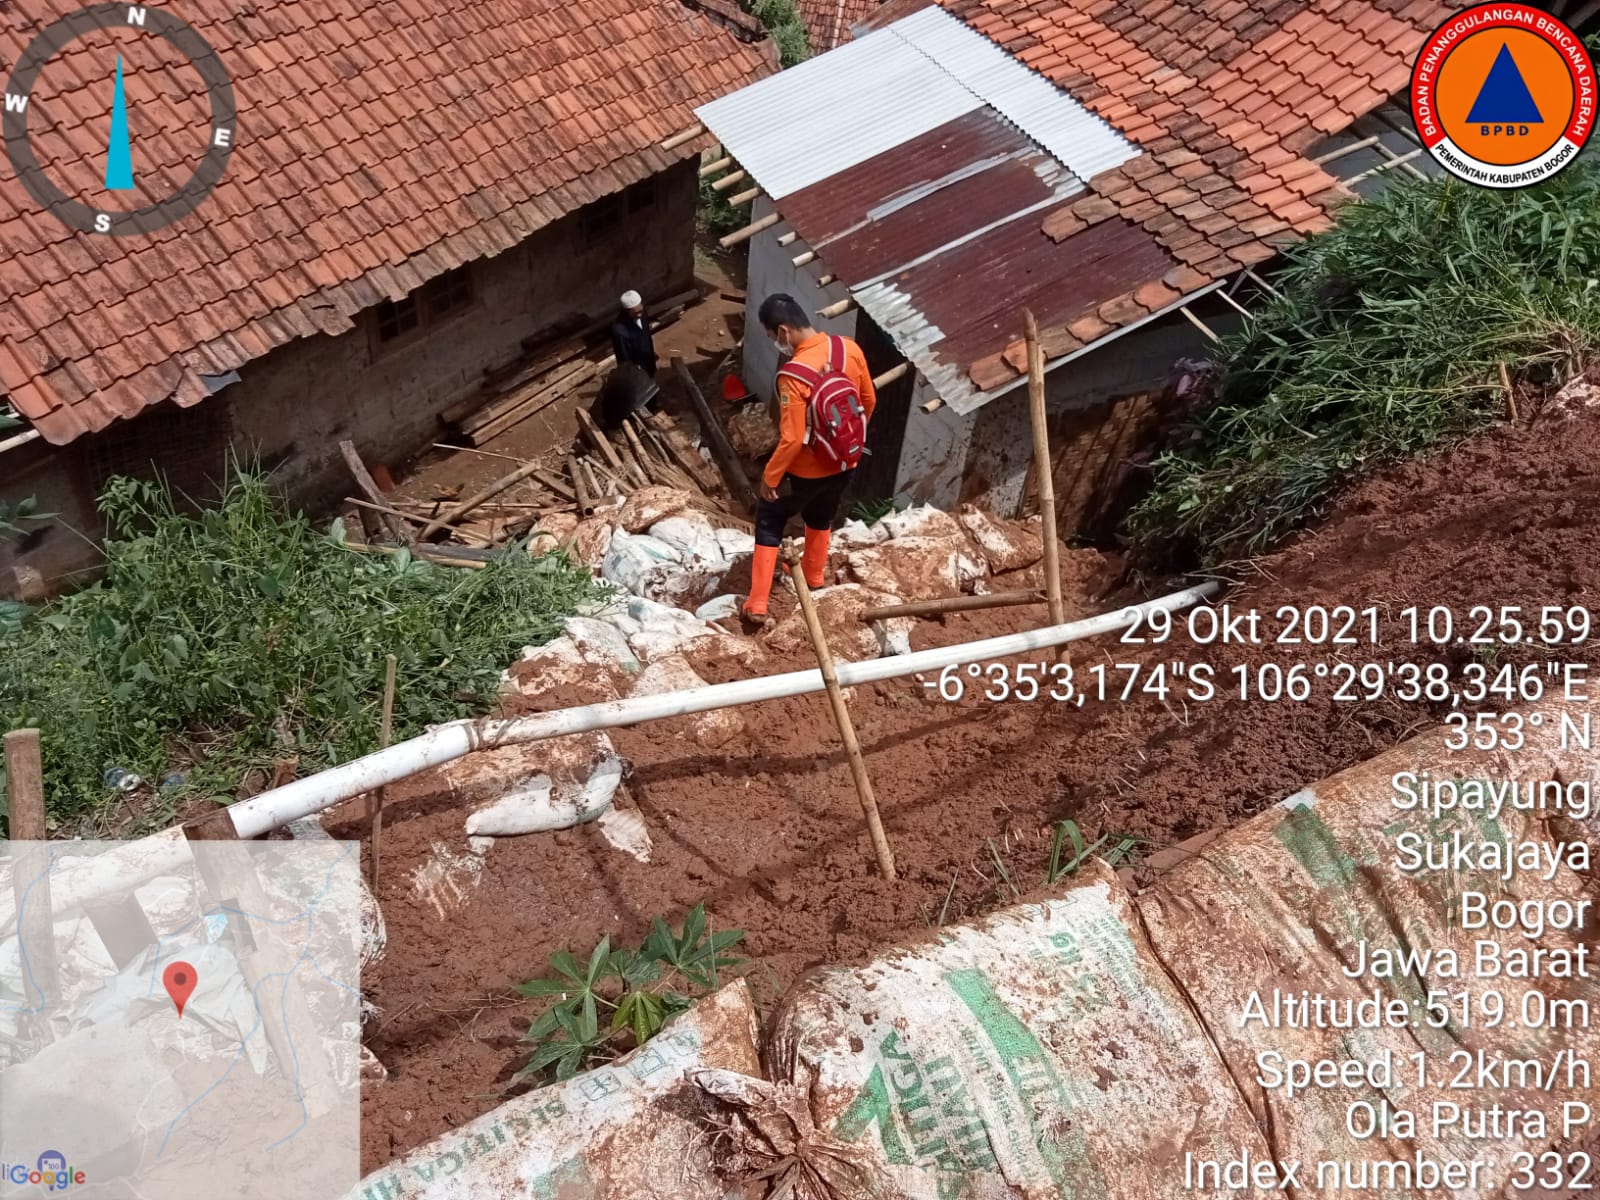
834 111
1085 143
935 225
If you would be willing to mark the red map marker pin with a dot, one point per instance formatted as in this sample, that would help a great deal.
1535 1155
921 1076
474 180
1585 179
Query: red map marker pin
179 979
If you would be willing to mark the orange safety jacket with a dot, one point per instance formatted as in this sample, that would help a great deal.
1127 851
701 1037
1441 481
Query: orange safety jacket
793 456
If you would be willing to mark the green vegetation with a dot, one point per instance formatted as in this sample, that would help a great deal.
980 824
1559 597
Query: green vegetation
15 518
870 512
716 216
1389 338
783 22
233 638
639 989
1115 851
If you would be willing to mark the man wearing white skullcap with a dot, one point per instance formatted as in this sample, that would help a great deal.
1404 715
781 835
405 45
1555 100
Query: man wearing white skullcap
630 335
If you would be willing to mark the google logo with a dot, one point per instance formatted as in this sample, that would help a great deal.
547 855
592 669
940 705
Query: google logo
51 1172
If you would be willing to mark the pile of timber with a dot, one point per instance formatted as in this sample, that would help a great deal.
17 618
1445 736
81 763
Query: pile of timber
552 372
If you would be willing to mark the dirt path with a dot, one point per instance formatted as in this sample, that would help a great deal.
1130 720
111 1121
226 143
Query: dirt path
767 830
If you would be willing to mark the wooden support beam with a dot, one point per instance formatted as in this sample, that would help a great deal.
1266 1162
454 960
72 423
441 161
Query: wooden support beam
683 138
1046 475
1350 149
937 608
891 375
744 198
825 280
717 167
370 489
838 308
841 717
800 260
727 181
600 442
717 438
20 439
785 239
1199 324
749 231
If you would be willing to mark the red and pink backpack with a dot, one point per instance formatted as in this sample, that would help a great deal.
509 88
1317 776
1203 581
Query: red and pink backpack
836 424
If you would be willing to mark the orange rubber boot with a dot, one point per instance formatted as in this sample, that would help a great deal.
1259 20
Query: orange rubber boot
814 562
762 566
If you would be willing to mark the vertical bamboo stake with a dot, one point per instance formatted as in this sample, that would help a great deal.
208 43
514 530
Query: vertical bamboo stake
841 716
580 489
1044 470
385 732
30 866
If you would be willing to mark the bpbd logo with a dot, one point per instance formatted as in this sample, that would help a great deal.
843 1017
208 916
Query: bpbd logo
1504 96
50 1172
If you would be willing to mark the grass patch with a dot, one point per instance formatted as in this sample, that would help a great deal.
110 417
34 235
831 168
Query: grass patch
225 640
1388 339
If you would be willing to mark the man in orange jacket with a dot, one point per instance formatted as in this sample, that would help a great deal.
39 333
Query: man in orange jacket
796 479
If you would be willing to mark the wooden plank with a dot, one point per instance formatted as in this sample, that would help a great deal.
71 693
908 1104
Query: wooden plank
451 516
369 488
717 438
599 441
530 408
683 453
499 384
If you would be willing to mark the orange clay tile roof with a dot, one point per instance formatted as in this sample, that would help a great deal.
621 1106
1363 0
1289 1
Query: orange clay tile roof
380 144
828 22
1224 97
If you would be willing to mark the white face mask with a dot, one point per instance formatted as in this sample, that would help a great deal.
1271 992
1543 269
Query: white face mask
783 351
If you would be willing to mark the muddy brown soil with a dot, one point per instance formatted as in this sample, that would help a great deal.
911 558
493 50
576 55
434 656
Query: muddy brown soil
768 832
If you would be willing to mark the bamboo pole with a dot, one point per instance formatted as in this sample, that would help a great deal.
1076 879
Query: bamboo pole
385 735
30 871
889 376
935 608
837 309
841 717
683 137
1046 473
452 515
749 231
585 505
600 442
744 198
727 181
712 168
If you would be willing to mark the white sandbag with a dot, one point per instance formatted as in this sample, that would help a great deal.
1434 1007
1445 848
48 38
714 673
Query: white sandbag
569 780
692 536
601 643
648 505
592 539
1006 545
635 559
718 608
1042 1052
631 1130
552 532
917 568
672 673
735 543
924 521
854 535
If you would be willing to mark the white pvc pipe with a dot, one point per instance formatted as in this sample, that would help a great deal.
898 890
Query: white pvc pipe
269 810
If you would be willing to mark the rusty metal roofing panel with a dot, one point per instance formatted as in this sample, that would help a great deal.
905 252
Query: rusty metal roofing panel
832 112
947 312
1085 143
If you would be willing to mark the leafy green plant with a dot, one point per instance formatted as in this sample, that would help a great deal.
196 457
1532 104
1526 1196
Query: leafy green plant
1114 850
788 29
225 640
1387 338
14 516
620 998
716 216
870 512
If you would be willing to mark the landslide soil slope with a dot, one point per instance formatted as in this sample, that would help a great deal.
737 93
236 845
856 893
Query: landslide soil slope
767 830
